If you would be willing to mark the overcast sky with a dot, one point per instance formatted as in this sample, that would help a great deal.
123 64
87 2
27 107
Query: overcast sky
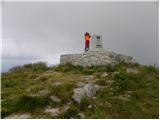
42 31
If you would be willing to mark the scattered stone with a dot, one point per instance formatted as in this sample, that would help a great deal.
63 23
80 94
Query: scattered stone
55 99
97 87
94 98
22 116
124 97
129 92
52 111
105 74
69 103
79 93
109 81
34 95
130 70
81 115
88 90
90 106
57 84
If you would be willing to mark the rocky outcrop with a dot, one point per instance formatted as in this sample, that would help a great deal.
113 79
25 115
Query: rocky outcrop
95 58
88 90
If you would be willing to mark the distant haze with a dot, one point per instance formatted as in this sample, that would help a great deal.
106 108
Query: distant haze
42 31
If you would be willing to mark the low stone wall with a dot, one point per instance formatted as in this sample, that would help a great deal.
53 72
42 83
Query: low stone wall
94 58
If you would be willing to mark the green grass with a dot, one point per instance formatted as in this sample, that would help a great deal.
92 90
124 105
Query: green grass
64 91
24 104
22 81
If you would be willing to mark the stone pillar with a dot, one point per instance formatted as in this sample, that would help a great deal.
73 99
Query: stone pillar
97 44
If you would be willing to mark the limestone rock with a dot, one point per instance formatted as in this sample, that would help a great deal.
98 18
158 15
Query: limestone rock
52 111
79 93
95 58
90 106
124 97
55 98
57 84
109 81
105 74
81 115
20 116
131 70
88 90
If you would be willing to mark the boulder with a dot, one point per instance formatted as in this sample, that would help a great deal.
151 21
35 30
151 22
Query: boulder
88 90
79 93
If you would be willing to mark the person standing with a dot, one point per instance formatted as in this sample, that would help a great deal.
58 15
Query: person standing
87 39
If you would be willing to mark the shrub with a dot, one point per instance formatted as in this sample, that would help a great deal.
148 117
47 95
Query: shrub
84 103
71 112
29 104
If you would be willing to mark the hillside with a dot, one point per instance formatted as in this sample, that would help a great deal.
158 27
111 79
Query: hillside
66 91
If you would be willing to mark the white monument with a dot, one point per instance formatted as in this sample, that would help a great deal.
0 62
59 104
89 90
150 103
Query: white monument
96 43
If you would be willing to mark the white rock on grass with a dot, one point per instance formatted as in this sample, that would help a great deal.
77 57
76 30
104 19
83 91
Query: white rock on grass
20 116
81 115
79 93
55 98
90 106
131 70
56 111
109 81
105 74
52 111
57 84
88 90
91 89
124 97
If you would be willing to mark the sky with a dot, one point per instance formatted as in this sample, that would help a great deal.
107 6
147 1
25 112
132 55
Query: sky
42 31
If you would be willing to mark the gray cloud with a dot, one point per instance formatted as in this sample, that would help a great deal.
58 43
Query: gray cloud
44 30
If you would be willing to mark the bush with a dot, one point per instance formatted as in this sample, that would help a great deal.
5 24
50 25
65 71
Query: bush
71 112
29 104
84 103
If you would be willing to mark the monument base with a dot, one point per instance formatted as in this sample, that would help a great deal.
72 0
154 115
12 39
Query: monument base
95 58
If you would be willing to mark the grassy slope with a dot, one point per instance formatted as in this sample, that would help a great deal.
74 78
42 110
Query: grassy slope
20 83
